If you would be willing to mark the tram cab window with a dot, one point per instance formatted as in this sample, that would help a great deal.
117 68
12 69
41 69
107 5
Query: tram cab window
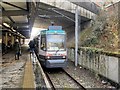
55 42
43 44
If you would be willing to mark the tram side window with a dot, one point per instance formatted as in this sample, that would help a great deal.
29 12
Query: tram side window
43 46
37 43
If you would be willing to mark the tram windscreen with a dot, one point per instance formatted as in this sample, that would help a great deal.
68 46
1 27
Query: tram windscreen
55 42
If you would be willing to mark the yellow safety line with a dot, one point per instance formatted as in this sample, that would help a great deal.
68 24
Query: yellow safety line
28 81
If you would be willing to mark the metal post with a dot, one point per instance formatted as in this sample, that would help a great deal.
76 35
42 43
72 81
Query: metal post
76 36
15 37
6 38
23 41
20 40
12 39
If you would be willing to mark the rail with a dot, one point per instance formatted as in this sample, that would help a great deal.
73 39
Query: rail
59 78
74 79
52 85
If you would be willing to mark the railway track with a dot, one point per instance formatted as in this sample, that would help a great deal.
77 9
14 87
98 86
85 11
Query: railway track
50 81
82 88
62 80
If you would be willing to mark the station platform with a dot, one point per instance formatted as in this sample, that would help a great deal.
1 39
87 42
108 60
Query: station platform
17 73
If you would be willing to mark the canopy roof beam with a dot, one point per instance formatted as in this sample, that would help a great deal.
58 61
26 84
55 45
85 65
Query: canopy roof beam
14 13
15 6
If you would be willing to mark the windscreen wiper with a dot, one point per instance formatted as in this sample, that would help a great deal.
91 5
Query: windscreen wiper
57 50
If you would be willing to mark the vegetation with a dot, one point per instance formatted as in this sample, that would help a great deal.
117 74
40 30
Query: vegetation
102 33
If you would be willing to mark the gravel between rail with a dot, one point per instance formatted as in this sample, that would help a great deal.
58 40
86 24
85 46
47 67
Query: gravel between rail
87 78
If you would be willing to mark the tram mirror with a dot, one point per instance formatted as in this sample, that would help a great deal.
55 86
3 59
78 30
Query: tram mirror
42 46
44 49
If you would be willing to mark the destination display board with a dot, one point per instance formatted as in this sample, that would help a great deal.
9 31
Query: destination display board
55 28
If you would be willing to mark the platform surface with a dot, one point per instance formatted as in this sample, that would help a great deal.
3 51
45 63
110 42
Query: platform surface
28 81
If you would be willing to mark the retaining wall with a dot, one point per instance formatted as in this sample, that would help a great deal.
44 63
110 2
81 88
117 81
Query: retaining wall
105 64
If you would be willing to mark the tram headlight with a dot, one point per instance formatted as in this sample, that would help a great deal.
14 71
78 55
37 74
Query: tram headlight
48 57
64 56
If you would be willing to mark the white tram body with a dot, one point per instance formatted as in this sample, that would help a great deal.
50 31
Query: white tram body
51 47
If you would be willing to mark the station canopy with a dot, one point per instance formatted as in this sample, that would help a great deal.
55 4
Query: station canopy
23 15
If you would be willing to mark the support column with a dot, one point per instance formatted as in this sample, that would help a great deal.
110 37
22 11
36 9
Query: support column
6 38
19 40
12 40
76 36
23 41
15 37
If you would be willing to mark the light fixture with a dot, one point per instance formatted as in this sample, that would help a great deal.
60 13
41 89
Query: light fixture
18 33
13 29
6 25
9 34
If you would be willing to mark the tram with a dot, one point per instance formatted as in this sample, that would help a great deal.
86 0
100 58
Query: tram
51 47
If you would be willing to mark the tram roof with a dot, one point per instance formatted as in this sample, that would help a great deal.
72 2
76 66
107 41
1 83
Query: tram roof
52 32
